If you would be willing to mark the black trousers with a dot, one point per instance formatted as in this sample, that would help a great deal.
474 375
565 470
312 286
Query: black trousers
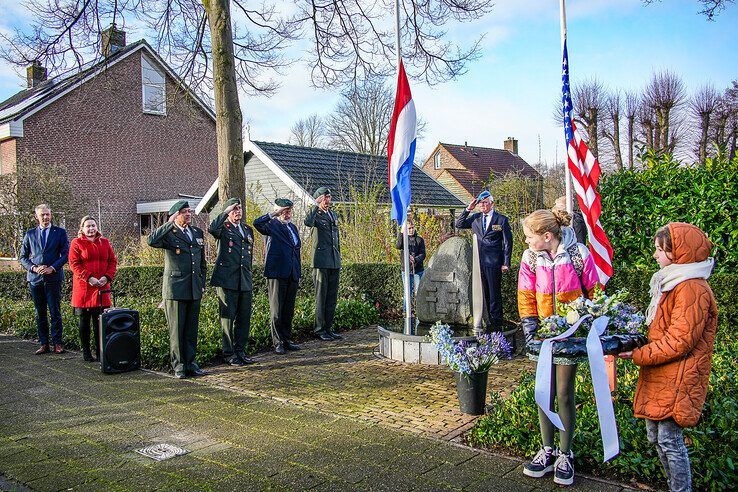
182 318
282 296
235 320
87 316
492 286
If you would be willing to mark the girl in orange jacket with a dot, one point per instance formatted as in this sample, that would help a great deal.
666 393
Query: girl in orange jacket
675 364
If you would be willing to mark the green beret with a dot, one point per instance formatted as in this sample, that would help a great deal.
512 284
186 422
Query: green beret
232 201
323 190
178 206
283 202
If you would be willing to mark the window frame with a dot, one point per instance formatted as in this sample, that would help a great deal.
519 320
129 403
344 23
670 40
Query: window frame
148 64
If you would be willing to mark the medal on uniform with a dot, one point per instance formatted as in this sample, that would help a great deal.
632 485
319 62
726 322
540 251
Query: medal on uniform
178 251
230 244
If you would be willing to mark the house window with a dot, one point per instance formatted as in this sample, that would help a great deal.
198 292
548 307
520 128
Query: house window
153 88
437 160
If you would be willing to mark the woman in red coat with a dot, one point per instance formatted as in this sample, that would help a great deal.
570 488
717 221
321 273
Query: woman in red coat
93 264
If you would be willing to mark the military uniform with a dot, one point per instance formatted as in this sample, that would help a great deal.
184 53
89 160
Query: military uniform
326 265
233 283
182 289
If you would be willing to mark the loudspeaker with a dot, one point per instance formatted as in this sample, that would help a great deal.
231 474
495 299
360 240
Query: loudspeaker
120 340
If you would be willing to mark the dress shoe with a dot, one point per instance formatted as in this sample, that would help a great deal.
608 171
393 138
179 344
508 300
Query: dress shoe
291 346
180 375
234 361
198 372
87 356
335 335
43 349
246 360
279 349
58 348
325 336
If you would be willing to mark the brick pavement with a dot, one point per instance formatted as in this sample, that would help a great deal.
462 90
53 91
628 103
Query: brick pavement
348 378
66 426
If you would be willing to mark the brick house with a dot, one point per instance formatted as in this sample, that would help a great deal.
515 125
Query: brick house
125 131
465 169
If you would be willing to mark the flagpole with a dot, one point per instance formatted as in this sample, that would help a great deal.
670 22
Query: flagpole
567 174
408 327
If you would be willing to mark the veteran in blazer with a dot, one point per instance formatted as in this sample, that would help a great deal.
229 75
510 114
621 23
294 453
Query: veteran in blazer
282 270
182 286
43 253
232 280
326 262
494 238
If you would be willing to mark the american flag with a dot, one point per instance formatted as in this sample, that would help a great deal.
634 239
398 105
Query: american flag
585 171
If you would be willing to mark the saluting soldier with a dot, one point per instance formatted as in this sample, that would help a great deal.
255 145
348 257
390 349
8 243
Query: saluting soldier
326 262
232 280
182 286
282 270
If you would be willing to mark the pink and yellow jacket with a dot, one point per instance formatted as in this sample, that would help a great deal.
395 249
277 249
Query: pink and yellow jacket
542 279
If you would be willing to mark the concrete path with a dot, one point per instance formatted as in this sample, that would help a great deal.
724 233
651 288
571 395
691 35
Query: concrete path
66 426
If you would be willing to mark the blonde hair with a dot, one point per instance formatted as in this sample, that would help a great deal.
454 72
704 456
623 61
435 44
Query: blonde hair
543 221
559 209
82 223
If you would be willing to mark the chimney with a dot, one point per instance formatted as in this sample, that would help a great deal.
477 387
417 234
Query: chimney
35 74
511 145
112 40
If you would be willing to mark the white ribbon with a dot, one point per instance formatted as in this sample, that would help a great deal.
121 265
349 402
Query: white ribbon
544 370
605 411
603 399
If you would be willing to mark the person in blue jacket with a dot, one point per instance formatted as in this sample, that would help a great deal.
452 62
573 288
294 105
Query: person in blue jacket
282 270
494 238
43 254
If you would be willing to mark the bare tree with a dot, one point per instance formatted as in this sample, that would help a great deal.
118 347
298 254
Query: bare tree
308 132
703 105
611 125
631 112
589 104
360 121
214 48
730 110
665 96
710 8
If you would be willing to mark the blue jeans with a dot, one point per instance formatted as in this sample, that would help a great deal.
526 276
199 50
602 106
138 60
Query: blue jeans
48 295
414 281
667 436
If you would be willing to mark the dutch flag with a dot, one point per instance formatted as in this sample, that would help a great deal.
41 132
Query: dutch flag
401 148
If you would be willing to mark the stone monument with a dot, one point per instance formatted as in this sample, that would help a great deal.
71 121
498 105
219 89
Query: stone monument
445 290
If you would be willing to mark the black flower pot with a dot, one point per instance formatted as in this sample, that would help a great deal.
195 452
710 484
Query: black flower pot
472 391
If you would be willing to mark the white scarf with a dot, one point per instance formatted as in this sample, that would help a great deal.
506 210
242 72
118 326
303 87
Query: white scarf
672 275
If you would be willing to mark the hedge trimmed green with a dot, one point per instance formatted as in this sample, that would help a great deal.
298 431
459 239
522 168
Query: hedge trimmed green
18 317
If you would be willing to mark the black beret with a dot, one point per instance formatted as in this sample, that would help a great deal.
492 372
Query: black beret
283 202
323 190
179 205
232 201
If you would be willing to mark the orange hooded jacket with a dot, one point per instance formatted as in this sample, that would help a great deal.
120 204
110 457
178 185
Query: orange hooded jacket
676 363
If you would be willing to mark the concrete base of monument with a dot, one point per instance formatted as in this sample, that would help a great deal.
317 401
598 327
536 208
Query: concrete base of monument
416 348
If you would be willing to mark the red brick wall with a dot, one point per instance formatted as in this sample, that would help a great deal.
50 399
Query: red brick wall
447 162
111 150
7 156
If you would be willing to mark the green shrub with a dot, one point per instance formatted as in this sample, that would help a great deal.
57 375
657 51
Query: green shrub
635 203
18 317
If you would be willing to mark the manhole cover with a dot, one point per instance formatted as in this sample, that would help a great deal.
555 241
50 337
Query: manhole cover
161 452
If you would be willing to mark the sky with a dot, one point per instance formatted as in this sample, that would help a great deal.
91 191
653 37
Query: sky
512 89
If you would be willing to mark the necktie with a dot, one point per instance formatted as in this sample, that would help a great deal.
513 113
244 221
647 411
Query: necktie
189 234
484 223
43 237
292 235
240 230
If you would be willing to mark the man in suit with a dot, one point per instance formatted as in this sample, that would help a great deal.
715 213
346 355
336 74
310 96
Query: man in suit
182 286
282 270
326 262
43 254
494 238
232 280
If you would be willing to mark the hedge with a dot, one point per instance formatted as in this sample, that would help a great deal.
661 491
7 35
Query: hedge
18 317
